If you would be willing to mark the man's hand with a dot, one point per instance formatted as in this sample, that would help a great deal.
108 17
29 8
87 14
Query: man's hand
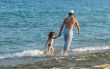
59 35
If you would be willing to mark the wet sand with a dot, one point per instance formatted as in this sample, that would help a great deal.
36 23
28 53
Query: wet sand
83 61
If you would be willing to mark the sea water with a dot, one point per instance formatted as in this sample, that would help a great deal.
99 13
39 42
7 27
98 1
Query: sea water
25 24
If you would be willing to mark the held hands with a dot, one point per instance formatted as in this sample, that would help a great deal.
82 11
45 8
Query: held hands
59 35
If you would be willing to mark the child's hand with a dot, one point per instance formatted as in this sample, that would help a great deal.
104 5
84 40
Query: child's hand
56 37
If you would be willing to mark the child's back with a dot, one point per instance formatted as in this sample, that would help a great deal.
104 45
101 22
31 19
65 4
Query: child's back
50 40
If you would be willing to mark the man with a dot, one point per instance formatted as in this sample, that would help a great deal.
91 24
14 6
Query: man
69 24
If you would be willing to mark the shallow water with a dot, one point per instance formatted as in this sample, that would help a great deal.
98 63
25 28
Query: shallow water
82 61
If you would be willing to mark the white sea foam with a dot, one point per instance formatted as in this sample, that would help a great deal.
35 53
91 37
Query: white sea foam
24 53
2 57
94 48
39 53
29 53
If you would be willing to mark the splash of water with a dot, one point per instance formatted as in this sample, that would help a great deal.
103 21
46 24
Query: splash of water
24 53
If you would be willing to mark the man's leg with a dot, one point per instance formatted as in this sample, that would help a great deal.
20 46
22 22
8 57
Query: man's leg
68 39
66 42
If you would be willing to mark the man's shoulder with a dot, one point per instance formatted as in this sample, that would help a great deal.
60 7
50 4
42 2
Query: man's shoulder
75 19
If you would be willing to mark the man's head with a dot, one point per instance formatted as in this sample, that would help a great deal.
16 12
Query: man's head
71 12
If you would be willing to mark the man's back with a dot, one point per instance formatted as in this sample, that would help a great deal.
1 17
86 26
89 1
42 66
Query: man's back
70 22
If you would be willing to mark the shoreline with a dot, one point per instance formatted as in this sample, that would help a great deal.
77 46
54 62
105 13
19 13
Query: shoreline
87 61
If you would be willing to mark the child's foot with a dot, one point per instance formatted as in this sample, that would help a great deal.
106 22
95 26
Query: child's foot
52 53
45 53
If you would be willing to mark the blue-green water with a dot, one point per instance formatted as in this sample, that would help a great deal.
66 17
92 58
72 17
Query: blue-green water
25 24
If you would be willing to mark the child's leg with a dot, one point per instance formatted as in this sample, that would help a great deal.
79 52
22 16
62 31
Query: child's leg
52 50
45 53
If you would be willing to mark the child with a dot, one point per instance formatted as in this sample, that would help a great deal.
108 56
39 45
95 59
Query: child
51 37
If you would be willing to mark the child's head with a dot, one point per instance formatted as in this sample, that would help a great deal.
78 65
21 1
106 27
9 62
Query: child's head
51 35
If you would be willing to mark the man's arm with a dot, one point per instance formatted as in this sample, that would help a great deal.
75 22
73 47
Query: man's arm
55 37
61 28
78 27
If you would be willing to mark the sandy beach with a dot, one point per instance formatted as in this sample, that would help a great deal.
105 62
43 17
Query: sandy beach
83 61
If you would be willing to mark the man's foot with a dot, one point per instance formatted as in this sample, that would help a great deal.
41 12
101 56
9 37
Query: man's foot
65 54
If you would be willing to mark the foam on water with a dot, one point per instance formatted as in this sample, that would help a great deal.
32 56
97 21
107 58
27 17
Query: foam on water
30 53
95 48
25 53
39 53
1 57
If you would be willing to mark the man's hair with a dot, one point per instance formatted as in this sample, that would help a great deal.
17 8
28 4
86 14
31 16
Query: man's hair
51 34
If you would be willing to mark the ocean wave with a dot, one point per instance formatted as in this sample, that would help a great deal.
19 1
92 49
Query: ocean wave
1 57
91 49
58 51
25 53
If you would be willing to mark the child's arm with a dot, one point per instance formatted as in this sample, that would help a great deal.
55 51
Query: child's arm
56 37
47 42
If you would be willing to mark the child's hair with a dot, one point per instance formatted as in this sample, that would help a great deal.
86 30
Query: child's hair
51 34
